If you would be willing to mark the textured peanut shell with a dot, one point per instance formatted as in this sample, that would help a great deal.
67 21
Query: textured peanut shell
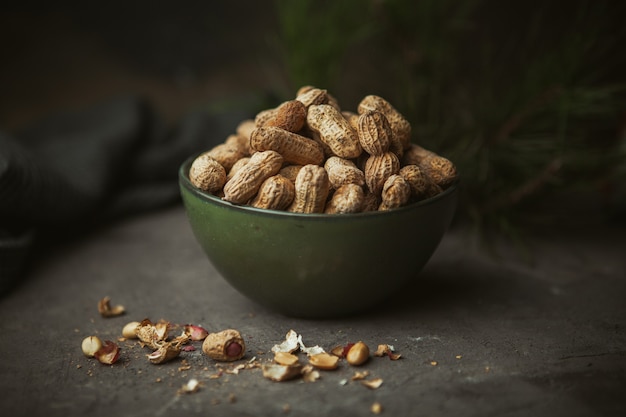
415 154
294 148
343 171
313 96
399 125
276 193
378 168
351 117
215 345
312 187
290 115
421 185
290 172
245 127
246 182
374 132
371 202
263 117
226 154
334 130
237 166
348 198
396 193
207 174
241 142
439 169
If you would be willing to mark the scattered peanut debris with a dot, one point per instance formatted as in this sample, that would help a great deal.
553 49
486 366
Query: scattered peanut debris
196 332
285 358
324 361
376 408
105 309
293 342
279 373
193 385
372 383
109 353
358 376
387 350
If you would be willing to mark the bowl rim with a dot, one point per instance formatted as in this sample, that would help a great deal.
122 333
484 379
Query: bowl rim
183 174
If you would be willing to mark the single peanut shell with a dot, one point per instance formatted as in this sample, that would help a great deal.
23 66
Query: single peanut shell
396 193
227 345
343 171
227 154
246 182
313 96
237 166
334 130
399 125
241 142
207 174
312 187
245 127
290 115
415 154
263 117
439 169
294 148
378 168
276 193
348 198
421 185
290 172
374 132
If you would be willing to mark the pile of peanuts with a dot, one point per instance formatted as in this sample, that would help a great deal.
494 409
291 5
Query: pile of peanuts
309 156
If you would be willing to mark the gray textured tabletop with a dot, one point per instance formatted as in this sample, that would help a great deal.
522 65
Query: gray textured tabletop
478 334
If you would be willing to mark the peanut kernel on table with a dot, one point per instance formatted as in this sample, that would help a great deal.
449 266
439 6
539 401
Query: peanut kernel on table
363 147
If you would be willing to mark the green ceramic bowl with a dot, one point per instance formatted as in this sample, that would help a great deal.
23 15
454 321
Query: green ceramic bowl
316 265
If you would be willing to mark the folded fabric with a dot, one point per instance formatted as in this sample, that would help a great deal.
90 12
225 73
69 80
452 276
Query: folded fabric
81 168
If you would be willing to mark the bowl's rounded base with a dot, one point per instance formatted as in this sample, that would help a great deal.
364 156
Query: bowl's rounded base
317 266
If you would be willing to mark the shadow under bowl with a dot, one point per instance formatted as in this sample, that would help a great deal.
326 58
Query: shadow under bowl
316 265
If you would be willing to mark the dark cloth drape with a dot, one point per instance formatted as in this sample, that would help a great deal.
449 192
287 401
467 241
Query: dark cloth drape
93 165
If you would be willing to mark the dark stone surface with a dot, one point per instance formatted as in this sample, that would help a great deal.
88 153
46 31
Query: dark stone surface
509 336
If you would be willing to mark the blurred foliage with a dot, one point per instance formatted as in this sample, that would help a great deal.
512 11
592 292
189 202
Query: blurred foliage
526 97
